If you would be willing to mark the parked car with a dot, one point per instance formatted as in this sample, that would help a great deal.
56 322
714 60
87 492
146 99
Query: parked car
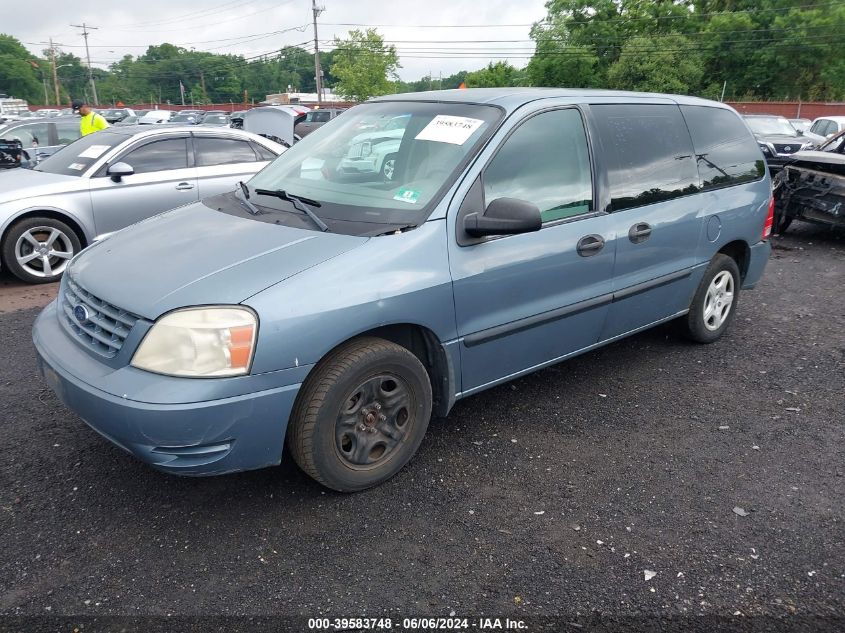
184 119
130 120
111 179
116 115
338 316
155 117
314 119
777 138
828 126
215 120
42 137
238 119
811 187
47 112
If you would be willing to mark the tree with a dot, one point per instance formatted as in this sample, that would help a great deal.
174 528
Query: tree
670 64
364 66
18 76
494 76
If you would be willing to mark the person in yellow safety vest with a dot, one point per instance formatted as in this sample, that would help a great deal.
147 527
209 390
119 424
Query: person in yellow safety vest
91 121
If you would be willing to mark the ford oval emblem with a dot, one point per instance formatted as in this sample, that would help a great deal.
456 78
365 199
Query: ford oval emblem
82 315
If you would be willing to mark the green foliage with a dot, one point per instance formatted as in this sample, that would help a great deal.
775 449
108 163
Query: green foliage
18 77
672 66
495 75
364 66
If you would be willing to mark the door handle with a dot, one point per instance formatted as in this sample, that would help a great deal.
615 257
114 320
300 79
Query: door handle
184 186
590 245
640 232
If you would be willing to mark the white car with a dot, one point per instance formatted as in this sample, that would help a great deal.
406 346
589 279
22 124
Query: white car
828 126
155 117
113 178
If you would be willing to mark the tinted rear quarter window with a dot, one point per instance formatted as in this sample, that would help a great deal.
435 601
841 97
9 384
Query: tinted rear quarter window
222 151
726 152
648 153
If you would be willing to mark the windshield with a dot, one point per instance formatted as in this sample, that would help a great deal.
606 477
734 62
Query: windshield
183 118
379 163
771 125
74 159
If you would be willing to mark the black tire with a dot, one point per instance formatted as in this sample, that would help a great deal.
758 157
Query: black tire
36 272
346 387
696 325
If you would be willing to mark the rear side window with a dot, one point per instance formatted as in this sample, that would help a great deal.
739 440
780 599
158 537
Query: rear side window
726 151
648 152
263 152
544 161
222 151
159 156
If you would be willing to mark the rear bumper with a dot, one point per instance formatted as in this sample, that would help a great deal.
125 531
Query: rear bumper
210 437
757 261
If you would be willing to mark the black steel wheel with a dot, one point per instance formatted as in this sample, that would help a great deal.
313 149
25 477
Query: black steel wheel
361 415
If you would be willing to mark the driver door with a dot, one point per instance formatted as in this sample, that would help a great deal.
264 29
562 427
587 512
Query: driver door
164 178
522 301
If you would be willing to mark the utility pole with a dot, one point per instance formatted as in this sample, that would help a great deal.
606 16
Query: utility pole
85 28
318 72
55 74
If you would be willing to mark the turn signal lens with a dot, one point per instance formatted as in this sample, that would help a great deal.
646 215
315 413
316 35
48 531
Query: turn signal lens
200 343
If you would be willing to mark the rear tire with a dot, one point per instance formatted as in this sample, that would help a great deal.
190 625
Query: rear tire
714 305
361 415
37 250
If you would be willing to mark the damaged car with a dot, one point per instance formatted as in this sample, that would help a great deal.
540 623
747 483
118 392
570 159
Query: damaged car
811 187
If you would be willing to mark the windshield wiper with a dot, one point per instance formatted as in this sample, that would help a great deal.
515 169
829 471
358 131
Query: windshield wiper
244 197
298 203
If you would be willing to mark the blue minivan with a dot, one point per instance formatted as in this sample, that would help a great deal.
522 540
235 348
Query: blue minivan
338 310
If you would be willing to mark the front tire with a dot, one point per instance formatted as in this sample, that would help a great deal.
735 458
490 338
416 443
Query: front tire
37 250
361 415
714 305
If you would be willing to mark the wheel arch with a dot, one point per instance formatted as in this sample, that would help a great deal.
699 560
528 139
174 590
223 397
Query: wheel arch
740 252
55 214
426 346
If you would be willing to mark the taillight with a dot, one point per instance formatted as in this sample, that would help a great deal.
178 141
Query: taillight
770 219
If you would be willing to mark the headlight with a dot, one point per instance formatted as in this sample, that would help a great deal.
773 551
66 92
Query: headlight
765 148
200 343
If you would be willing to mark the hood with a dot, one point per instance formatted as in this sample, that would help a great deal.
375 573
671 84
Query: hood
27 183
195 255
782 139
830 162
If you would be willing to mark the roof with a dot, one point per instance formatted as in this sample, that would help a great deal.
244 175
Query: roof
838 119
512 98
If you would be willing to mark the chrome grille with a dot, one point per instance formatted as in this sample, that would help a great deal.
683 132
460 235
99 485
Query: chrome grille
787 148
106 327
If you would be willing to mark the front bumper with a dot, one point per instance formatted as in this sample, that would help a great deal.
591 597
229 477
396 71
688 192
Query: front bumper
208 437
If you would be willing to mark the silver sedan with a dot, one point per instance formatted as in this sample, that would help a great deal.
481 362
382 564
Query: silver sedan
113 178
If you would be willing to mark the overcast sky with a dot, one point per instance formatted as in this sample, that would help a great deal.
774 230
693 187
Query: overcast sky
430 35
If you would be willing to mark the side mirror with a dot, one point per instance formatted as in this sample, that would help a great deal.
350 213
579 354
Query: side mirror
504 216
119 170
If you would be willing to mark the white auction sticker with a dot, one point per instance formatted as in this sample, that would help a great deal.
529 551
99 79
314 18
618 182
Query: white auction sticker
76 166
95 151
449 129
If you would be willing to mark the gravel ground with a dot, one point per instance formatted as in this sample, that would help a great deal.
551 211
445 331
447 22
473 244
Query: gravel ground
718 468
